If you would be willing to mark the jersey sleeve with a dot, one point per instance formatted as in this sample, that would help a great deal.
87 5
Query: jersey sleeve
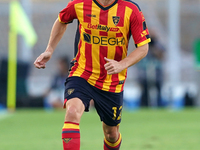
139 29
68 14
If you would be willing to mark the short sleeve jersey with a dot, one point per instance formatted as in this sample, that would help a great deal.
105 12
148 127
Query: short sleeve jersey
104 31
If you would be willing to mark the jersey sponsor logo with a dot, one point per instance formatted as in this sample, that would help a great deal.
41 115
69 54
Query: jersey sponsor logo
87 37
115 20
103 40
102 27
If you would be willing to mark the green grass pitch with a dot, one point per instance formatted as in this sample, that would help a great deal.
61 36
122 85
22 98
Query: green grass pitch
145 129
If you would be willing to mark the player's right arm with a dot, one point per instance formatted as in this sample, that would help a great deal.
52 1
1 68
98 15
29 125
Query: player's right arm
66 16
57 32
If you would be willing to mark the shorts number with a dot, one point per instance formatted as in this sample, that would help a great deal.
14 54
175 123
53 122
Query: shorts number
115 113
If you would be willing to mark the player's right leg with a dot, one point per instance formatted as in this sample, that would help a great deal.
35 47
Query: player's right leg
76 102
71 131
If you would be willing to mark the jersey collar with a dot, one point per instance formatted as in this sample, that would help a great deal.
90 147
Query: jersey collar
105 7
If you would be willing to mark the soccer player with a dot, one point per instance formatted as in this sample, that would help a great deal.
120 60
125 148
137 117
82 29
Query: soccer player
99 67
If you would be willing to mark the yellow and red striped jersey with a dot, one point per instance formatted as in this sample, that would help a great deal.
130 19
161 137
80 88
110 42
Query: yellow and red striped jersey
104 31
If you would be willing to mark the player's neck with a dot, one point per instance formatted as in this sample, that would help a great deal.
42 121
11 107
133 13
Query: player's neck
105 2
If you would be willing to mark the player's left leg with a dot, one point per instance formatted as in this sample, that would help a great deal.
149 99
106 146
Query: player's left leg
112 140
109 108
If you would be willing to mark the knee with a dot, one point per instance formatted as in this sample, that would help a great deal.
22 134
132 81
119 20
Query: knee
74 110
111 135
72 114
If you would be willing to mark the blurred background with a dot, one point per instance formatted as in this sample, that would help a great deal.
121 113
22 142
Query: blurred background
168 77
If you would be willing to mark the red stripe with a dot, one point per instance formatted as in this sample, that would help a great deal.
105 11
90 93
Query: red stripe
88 66
103 33
113 83
103 73
71 122
118 53
103 19
70 129
70 135
87 11
115 78
103 50
120 10
119 34
88 31
64 105
88 48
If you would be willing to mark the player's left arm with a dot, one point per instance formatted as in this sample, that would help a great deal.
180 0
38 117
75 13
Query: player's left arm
141 37
113 66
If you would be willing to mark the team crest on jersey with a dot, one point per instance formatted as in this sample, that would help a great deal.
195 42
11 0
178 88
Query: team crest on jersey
115 19
70 91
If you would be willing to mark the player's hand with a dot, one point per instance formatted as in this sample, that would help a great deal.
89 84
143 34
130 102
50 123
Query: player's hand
40 62
112 66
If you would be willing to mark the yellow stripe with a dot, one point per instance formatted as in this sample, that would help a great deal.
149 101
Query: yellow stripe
82 61
111 49
144 42
95 11
112 12
79 11
70 126
80 69
114 144
95 47
125 28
